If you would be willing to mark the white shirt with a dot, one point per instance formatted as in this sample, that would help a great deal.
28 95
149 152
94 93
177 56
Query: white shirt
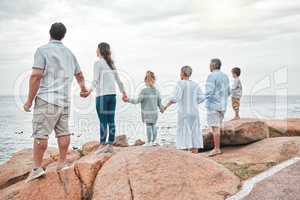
105 79
60 66
236 89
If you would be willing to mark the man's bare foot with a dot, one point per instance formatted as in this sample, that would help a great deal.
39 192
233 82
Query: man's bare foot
235 118
214 152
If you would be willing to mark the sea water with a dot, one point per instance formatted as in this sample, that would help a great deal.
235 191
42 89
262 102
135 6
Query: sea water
16 127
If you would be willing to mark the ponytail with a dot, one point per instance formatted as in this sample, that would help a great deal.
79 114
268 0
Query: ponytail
105 52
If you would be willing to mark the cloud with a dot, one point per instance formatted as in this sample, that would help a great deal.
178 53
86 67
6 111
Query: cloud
20 9
139 12
158 33
247 20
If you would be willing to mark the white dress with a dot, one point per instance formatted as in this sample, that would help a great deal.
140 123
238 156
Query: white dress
188 95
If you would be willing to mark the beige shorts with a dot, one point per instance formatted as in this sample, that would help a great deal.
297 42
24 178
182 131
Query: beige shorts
215 118
48 117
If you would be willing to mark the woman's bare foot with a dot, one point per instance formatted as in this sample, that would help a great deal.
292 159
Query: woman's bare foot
215 152
194 150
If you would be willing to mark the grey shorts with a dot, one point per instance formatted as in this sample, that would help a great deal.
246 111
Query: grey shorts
215 118
48 117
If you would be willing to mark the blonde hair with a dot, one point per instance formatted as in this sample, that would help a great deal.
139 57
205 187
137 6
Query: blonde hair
150 78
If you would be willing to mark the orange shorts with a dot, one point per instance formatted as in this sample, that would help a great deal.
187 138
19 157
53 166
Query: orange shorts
235 103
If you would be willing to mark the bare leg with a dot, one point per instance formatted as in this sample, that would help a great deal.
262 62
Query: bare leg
39 148
237 115
63 145
217 135
217 144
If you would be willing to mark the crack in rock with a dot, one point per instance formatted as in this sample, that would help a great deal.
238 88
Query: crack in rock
63 182
129 181
85 191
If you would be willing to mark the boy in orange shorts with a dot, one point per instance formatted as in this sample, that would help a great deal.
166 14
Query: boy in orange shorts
236 91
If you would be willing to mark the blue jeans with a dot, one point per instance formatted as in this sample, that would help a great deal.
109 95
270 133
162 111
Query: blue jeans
106 108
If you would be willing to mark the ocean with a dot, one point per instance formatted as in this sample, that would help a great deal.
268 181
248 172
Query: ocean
16 129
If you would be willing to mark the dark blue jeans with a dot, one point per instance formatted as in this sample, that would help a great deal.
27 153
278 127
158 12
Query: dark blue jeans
106 108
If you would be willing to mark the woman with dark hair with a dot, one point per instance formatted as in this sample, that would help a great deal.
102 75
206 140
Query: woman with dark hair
105 78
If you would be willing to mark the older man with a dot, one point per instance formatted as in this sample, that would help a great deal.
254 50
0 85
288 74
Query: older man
217 90
50 86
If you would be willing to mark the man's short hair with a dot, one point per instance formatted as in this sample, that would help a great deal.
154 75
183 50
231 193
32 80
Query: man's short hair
236 71
58 31
216 63
187 71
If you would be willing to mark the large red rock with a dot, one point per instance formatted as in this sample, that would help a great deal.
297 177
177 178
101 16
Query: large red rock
10 192
143 173
73 183
20 164
247 161
279 128
238 132
55 185
20 189
282 185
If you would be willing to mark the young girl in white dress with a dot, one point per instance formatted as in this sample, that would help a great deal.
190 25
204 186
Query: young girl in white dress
187 95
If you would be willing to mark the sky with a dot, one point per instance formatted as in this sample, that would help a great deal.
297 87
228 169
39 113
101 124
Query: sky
259 36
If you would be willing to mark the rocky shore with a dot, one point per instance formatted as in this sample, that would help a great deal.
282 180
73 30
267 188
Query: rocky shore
135 172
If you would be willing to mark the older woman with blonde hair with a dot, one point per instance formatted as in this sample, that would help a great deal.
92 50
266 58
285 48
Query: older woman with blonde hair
187 95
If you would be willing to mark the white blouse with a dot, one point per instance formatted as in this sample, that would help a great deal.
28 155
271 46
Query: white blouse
105 79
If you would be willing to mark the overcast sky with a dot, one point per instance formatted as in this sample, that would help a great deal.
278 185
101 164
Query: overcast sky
260 36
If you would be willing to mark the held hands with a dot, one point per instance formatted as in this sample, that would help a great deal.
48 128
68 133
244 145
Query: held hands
85 93
163 109
125 97
27 106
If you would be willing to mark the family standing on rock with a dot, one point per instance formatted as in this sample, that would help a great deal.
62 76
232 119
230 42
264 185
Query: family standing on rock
50 87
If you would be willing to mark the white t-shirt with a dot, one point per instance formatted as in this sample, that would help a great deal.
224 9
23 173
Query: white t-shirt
105 79
236 89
